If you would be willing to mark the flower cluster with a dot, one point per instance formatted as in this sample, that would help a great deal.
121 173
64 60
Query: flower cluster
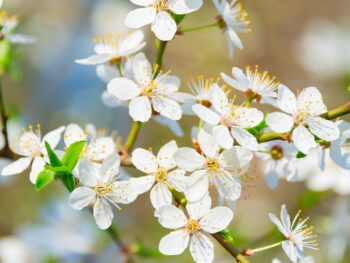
229 137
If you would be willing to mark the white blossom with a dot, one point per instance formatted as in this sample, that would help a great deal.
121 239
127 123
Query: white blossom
192 229
233 19
157 13
302 110
257 86
279 160
98 146
101 188
30 146
114 48
146 92
222 170
298 234
229 121
161 173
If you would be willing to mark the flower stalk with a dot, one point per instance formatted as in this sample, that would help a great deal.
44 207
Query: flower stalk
250 252
216 24
6 151
130 141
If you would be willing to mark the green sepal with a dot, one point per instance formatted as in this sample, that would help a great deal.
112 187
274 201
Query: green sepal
72 156
300 155
54 160
45 177
68 180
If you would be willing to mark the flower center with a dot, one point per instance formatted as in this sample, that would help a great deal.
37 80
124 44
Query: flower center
149 89
192 226
276 152
301 117
103 190
225 120
161 5
161 174
212 164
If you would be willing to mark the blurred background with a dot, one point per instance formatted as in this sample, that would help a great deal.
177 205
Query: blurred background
302 43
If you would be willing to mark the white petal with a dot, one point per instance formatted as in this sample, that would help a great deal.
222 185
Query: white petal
227 186
142 184
202 249
124 192
289 249
107 72
16 167
303 139
123 88
140 109
216 220
178 180
279 122
166 153
206 114
208 144
234 38
174 243
53 137
95 59
271 174
285 219
223 136
131 43
81 197
310 100
109 168
244 138
37 166
73 134
140 17
103 214
168 85
188 159
198 184
236 158
142 69
286 99
174 126
87 173
100 148
111 101
160 195
144 160
324 129
181 7
197 210
167 108
169 216
142 2
164 26
218 98
279 225
247 117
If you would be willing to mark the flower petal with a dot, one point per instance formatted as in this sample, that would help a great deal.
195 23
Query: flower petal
310 100
279 122
188 159
286 99
174 243
303 139
206 114
103 214
109 168
216 220
271 174
247 117
228 187
160 195
167 107
208 144
181 7
198 184
169 216
81 197
142 69
202 249
197 210
223 136
140 17
244 138
16 167
324 129
123 88
53 137
144 160
140 109
73 134
164 26
279 224
178 180
218 98
37 166
165 155
290 251
100 148
95 59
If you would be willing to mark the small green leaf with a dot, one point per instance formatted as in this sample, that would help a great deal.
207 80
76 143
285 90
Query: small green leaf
71 158
54 160
68 180
300 155
45 177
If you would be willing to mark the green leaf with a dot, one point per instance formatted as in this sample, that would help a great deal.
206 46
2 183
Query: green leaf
54 160
45 177
71 158
300 155
68 180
